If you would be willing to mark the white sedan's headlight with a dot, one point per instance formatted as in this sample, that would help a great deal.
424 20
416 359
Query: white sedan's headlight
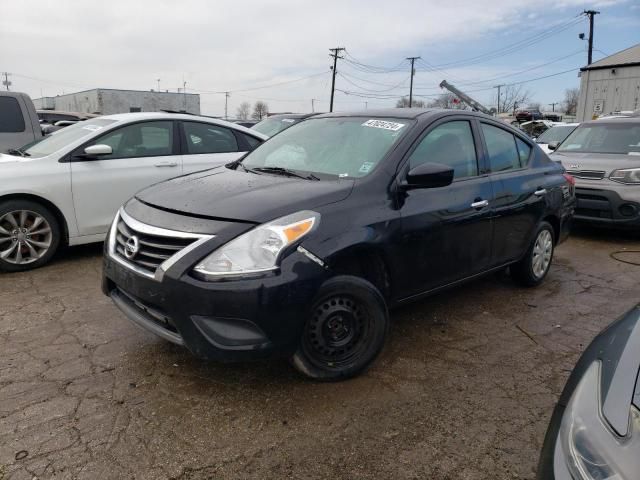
593 451
259 249
626 175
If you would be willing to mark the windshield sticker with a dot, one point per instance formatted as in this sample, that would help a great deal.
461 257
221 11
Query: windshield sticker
343 175
366 167
288 120
93 128
393 126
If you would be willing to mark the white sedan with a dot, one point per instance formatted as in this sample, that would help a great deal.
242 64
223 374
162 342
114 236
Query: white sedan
66 188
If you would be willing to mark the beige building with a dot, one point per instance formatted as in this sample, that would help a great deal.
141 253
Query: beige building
610 85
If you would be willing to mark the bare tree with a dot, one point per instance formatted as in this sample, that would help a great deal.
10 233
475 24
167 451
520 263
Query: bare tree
260 110
512 97
404 103
446 100
570 103
243 111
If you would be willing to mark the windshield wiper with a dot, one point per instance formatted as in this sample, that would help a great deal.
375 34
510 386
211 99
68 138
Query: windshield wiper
18 151
284 171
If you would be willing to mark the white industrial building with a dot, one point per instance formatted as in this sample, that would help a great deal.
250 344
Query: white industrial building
610 85
106 101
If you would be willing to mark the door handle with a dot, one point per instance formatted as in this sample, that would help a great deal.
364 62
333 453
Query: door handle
480 204
166 164
541 192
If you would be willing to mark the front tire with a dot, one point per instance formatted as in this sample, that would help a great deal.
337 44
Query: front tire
532 269
29 235
344 332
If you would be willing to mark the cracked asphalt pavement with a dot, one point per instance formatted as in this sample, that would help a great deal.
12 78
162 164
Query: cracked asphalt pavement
463 389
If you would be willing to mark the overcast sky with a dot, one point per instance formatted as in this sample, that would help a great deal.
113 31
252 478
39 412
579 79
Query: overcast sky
51 47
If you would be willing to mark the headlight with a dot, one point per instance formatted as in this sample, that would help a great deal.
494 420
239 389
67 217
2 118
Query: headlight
259 249
626 175
593 451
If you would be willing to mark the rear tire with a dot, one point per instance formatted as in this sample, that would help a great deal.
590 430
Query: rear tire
532 269
29 235
344 332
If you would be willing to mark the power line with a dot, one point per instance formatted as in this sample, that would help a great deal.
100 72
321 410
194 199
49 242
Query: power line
392 87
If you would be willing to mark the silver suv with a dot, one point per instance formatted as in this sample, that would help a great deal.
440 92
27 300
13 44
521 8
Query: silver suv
604 158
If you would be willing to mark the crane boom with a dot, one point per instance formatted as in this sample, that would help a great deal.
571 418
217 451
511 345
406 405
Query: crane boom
466 98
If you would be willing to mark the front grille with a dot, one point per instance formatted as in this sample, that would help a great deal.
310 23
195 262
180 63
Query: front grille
151 313
587 174
152 250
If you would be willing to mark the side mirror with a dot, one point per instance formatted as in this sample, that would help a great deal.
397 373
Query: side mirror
429 175
553 145
97 150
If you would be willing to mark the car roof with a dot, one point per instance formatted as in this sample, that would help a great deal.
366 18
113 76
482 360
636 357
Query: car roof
137 116
601 121
290 115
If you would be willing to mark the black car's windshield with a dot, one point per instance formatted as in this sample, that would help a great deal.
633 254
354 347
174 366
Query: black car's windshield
341 146
271 126
60 139
623 138
555 134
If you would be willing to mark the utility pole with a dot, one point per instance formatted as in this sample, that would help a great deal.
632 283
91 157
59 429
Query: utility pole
498 87
553 106
312 105
6 82
226 102
366 105
413 72
184 92
590 14
158 80
336 55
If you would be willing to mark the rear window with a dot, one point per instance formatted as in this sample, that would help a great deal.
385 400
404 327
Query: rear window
11 119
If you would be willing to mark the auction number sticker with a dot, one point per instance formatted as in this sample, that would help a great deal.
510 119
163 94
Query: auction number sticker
393 126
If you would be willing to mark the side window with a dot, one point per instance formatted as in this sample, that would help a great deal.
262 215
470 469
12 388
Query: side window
449 144
208 138
524 150
252 141
148 139
501 145
11 119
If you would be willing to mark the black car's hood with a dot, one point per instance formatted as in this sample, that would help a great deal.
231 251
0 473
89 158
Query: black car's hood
222 193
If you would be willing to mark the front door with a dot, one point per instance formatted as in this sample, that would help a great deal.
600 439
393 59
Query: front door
446 231
143 154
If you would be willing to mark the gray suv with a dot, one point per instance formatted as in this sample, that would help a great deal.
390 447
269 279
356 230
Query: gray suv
604 158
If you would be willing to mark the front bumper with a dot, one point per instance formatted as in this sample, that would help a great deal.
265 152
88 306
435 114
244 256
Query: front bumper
227 320
607 207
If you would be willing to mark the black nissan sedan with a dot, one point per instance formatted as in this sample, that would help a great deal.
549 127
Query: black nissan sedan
300 248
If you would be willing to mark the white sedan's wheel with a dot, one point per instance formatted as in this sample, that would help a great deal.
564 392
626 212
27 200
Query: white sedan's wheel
25 237
29 235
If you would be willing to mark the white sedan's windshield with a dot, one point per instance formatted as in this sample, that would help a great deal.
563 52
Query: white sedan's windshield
555 134
66 136
340 146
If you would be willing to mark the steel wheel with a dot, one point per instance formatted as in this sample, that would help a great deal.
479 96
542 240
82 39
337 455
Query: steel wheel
542 252
338 332
25 237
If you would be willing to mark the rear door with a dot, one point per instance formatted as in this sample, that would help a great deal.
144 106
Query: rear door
446 231
207 145
519 190
144 153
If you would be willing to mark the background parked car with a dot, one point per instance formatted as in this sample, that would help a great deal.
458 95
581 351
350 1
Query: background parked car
19 123
67 187
557 133
594 431
277 123
53 116
300 248
604 157
528 115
